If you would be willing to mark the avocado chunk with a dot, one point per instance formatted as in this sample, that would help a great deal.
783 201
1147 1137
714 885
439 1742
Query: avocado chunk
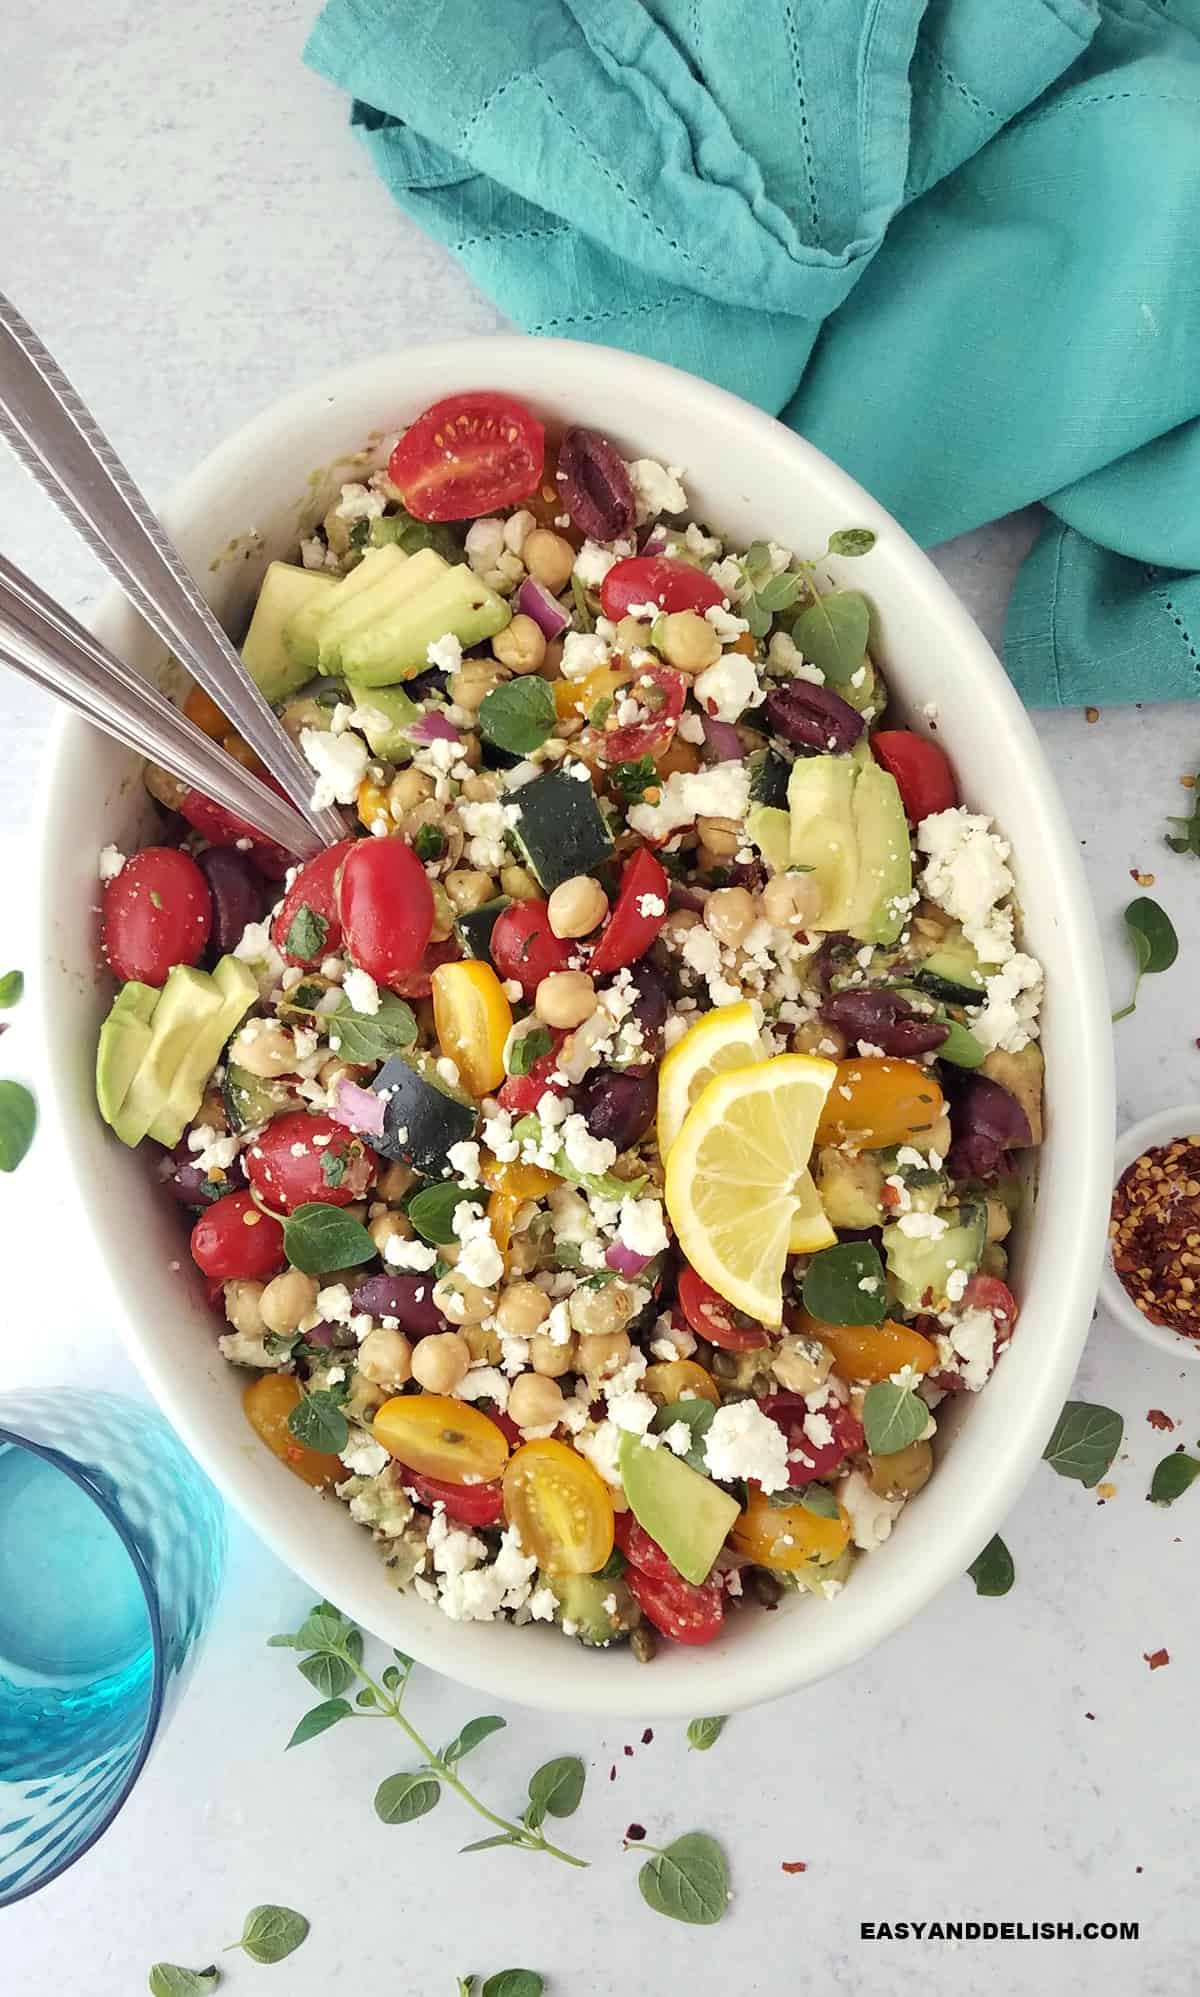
921 1265
237 990
848 827
561 830
385 714
422 1118
392 642
362 593
194 1017
123 1045
688 1515
582 1599
884 857
276 668
769 828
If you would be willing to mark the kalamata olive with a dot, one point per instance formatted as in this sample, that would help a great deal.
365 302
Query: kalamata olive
429 685
238 895
409 1299
595 486
193 1187
884 1020
618 1104
652 1004
748 874
323 1334
813 717
987 1122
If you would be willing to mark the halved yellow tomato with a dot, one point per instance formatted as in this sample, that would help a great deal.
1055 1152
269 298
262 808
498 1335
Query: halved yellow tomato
371 803
502 1211
441 1437
202 711
473 1021
674 1378
560 1506
523 1182
875 1103
573 697
267 1403
873 1351
788 1536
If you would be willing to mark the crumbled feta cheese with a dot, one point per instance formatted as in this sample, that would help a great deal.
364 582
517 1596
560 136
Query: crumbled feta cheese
631 1412
728 687
656 488
340 762
678 1438
582 652
362 991
871 1517
1007 1017
967 874
585 1153
593 563
725 624
973 1338
448 1070
479 1260
445 653
213 1152
463 1160
744 1442
363 1454
641 1226
333 1302
517 529
484 1383
416 1256
923 1226
246 1348
359 503
484 544
601 1445
690 727
721 791
110 863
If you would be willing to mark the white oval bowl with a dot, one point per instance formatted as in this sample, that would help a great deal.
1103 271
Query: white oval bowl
751 478
1161 1128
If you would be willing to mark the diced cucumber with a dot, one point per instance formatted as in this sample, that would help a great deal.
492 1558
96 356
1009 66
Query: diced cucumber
475 926
921 1265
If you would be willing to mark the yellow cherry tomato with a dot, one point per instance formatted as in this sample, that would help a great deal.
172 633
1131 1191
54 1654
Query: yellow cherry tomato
502 1211
202 711
521 1182
560 1506
674 1378
371 803
875 1103
473 1021
572 697
788 1536
874 1351
441 1437
679 758
267 1403
236 746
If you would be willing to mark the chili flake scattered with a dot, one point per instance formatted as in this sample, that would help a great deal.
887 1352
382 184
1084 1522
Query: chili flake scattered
1091 713
793 1865
1157 1419
1143 880
1155 1234
1155 1658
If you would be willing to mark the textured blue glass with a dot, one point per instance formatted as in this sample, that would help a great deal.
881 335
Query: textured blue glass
112 1548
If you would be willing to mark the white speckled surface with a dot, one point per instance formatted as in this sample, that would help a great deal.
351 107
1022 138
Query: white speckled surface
191 227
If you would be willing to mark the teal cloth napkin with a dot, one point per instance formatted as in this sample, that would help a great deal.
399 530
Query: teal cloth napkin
955 243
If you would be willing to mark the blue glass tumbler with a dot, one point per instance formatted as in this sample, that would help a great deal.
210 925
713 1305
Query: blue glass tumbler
112 1548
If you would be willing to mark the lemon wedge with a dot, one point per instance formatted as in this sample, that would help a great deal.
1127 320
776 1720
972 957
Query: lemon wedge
735 1171
810 1229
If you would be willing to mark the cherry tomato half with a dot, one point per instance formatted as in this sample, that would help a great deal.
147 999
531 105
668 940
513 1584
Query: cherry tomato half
660 693
521 1093
385 904
441 1438
157 912
222 828
712 1318
922 771
314 889
468 454
808 1460
988 1293
418 984
301 1157
232 1238
641 1551
560 1506
470 1504
875 1103
788 1536
638 914
676 1607
525 947
658 579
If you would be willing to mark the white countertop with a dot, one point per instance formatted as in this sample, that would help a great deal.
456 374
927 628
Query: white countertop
191 227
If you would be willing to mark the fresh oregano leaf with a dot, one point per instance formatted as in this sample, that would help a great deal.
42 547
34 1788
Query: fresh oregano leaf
518 716
819 1499
488 1844
466 1986
992 1571
365 1698
167 1979
893 1417
1155 944
18 1120
581 619
1172 1477
319 1719
1086 1438
318 1422
780 592
429 842
327 1674
557 1786
363 1038
703 1734
631 781
833 632
318 1237
323 1628
471 1736
333 1167
845 1285
529 1048
404 1798
851 541
688 1880
272 1933
431 1211
696 1415
306 937
12 985
514 1983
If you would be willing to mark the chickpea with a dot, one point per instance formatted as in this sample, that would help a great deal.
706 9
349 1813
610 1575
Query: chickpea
440 1363
443 914
999 1221
791 900
523 1254
286 1300
385 1357
521 1309
730 915
521 646
549 559
264 1048
212 1112
565 998
333 1071
388 1227
472 752
722 837
689 642
577 906
394 1181
599 1312
631 635
518 883
241 1299
814 1037
677 925
939 1138
553 659
482 1344
598 1353
407 789
481 790
474 679
535 1401
903 1472
462 1302
468 888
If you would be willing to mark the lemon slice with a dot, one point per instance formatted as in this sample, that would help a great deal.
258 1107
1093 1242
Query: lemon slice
810 1229
726 1038
734 1175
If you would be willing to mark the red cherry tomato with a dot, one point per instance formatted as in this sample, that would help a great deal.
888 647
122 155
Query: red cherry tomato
658 579
157 912
419 983
807 1459
525 947
661 693
677 1608
386 908
922 772
521 1093
988 1293
504 1422
232 1238
712 1318
640 1550
221 828
638 914
470 1504
315 889
300 1157
467 455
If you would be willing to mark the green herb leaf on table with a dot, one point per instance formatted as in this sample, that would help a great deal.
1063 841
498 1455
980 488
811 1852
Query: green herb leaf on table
490 1844
18 1121
1086 1438
514 1983
167 1979
893 1417
319 1719
833 633
557 1786
834 1285
365 1037
703 1734
306 937
466 1986
688 1880
431 1211
851 541
696 1415
272 1933
404 1798
1155 944
319 1237
471 1736
1188 840
518 716
992 1571
1172 1477
529 1048
12 985
318 1422
327 1674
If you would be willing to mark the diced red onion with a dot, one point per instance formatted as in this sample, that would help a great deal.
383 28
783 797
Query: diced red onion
625 1260
656 541
359 1109
434 726
722 739
534 600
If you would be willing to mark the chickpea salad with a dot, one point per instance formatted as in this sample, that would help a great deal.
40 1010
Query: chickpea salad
601 1159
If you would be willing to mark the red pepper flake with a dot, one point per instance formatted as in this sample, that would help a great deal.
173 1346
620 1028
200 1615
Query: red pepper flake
1155 1234
1155 1416
635 1833
648 1736
793 1865
1155 1658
